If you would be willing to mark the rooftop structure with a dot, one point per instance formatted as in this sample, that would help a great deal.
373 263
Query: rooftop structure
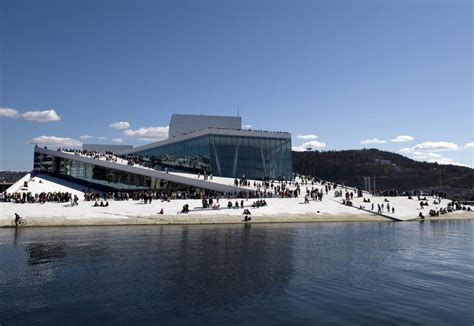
185 123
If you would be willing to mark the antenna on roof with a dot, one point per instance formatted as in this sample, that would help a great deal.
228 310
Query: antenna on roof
238 111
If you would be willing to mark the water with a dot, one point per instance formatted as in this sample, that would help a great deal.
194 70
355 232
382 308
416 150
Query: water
341 273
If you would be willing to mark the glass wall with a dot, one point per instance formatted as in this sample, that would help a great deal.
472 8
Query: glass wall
98 177
228 156
188 156
254 157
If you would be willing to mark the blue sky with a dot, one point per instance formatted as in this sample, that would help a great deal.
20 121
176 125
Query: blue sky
341 74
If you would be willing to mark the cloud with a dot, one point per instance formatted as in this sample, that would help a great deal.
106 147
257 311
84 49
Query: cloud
426 156
9 113
446 161
470 145
434 146
373 141
101 138
117 140
55 141
309 145
120 125
41 116
246 127
38 116
429 147
430 152
86 137
402 138
148 133
307 137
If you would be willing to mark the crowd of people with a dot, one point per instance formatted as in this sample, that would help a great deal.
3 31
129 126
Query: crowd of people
42 197
312 188
108 156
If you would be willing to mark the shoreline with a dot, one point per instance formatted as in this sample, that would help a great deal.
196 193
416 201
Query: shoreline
72 221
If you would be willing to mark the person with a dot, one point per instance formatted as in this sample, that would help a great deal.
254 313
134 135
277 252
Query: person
421 215
161 212
76 201
393 210
106 203
185 209
96 203
17 219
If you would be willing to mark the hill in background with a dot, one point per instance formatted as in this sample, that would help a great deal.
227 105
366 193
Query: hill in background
391 171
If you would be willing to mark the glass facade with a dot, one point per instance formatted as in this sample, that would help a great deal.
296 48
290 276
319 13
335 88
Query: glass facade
100 178
226 155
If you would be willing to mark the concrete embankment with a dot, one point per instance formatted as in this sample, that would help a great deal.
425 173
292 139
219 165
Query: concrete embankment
190 219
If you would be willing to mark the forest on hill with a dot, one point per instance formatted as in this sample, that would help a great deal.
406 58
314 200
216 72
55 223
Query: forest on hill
390 171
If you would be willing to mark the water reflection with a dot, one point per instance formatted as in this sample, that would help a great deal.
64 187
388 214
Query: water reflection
44 253
218 270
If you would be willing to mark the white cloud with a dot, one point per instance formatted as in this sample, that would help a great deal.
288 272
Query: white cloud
373 141
430 152
38 116
120 125
314 144
41 116
446 161
307 137
428 148
9 113
117 140
402 138
86 137
148 133
101 138
55 141
434 146
419 156
470 145
246 127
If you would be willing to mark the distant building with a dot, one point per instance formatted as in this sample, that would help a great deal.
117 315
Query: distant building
383 162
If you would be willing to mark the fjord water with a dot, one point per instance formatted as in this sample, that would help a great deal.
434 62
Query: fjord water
331 273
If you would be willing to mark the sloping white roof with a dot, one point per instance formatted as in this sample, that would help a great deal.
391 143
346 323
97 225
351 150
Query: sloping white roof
178 178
